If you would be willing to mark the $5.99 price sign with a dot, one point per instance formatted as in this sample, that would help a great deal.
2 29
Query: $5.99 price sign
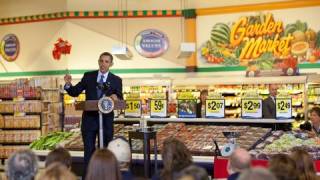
215 108
283 108
158 108
251 108
133 108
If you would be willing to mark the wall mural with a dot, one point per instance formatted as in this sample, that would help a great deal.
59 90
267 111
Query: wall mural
262 43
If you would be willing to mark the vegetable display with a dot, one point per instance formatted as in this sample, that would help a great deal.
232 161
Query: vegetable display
50 141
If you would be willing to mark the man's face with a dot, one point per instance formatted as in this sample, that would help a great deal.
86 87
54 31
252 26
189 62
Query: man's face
105 63
315 119
273 90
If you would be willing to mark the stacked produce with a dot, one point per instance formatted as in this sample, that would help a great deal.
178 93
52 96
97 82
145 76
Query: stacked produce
50 141
281 142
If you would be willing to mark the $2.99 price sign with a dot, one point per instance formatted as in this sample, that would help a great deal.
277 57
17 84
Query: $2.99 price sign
158 108
133 108
283 108
251 108
215 108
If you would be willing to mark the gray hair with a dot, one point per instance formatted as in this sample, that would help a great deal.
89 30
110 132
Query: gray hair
196 172
22 165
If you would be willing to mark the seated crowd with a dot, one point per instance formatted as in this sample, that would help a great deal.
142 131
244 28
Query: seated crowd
114 162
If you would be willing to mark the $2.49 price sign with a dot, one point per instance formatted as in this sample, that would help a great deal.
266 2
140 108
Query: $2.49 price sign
251 108
215 108
283 108
158 108
133 108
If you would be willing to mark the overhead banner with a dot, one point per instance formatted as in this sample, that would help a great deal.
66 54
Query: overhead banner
267 43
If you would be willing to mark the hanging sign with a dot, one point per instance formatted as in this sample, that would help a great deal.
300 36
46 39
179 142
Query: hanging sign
215 108
158 108
283 108
187 108
251 108
133 108
10 47
151 43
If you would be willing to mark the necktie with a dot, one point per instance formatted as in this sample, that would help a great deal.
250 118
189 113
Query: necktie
100 87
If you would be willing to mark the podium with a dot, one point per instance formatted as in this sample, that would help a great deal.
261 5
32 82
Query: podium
103 105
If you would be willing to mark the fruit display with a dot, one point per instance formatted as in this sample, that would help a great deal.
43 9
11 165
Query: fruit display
285 142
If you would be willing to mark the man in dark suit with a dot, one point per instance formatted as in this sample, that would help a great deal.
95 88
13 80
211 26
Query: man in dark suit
90 83
268 105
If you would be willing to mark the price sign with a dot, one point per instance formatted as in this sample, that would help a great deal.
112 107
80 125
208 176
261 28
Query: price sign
133 108
283 108
187 108
158 108
215 108
251 108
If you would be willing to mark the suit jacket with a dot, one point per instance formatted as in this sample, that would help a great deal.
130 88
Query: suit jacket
88 83
198 112
268 108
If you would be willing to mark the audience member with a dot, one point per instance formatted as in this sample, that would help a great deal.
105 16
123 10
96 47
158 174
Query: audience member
57 171
59 155
103 165
22 165
175 157
304 164
238 161
256 174
283 167
202 104
192 172
121 149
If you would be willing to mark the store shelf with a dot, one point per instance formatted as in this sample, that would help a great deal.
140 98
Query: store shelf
209 120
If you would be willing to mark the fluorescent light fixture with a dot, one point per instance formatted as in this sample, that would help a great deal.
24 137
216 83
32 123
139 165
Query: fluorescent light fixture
121 52
186 49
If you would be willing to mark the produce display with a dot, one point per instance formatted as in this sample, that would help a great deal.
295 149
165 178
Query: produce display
284 142
49 141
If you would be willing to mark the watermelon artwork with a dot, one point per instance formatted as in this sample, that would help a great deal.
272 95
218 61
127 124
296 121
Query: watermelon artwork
262 43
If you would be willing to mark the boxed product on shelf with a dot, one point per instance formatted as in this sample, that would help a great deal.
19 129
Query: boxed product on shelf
51 95
1 121
6 151
16 136
28 121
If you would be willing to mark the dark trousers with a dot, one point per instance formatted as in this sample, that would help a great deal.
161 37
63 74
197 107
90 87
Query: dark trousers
89 141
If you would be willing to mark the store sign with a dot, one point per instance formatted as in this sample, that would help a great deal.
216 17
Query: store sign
215 108
158 108
151 43
187 108
10 47
133 108
251 108
263 43
283 108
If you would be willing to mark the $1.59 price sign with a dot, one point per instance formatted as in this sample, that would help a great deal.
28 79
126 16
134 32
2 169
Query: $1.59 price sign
158 108
215 108
251 108
283 108
133 108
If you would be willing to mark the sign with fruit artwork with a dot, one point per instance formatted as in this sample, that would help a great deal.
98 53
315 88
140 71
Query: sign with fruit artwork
263 42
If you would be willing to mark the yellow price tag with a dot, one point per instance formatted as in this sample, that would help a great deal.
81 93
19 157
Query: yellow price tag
157 105
133 107
283 105
251 105
214 105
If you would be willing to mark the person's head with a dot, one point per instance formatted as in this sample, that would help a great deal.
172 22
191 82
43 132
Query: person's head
304 163
315 115
192 172
203 95
105 62
103 164
273 90
22 165
121 149
59 155
239 161
175 157
57 171
283 167
256 174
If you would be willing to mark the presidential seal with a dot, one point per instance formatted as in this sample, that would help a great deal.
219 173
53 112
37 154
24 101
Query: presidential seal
106 105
